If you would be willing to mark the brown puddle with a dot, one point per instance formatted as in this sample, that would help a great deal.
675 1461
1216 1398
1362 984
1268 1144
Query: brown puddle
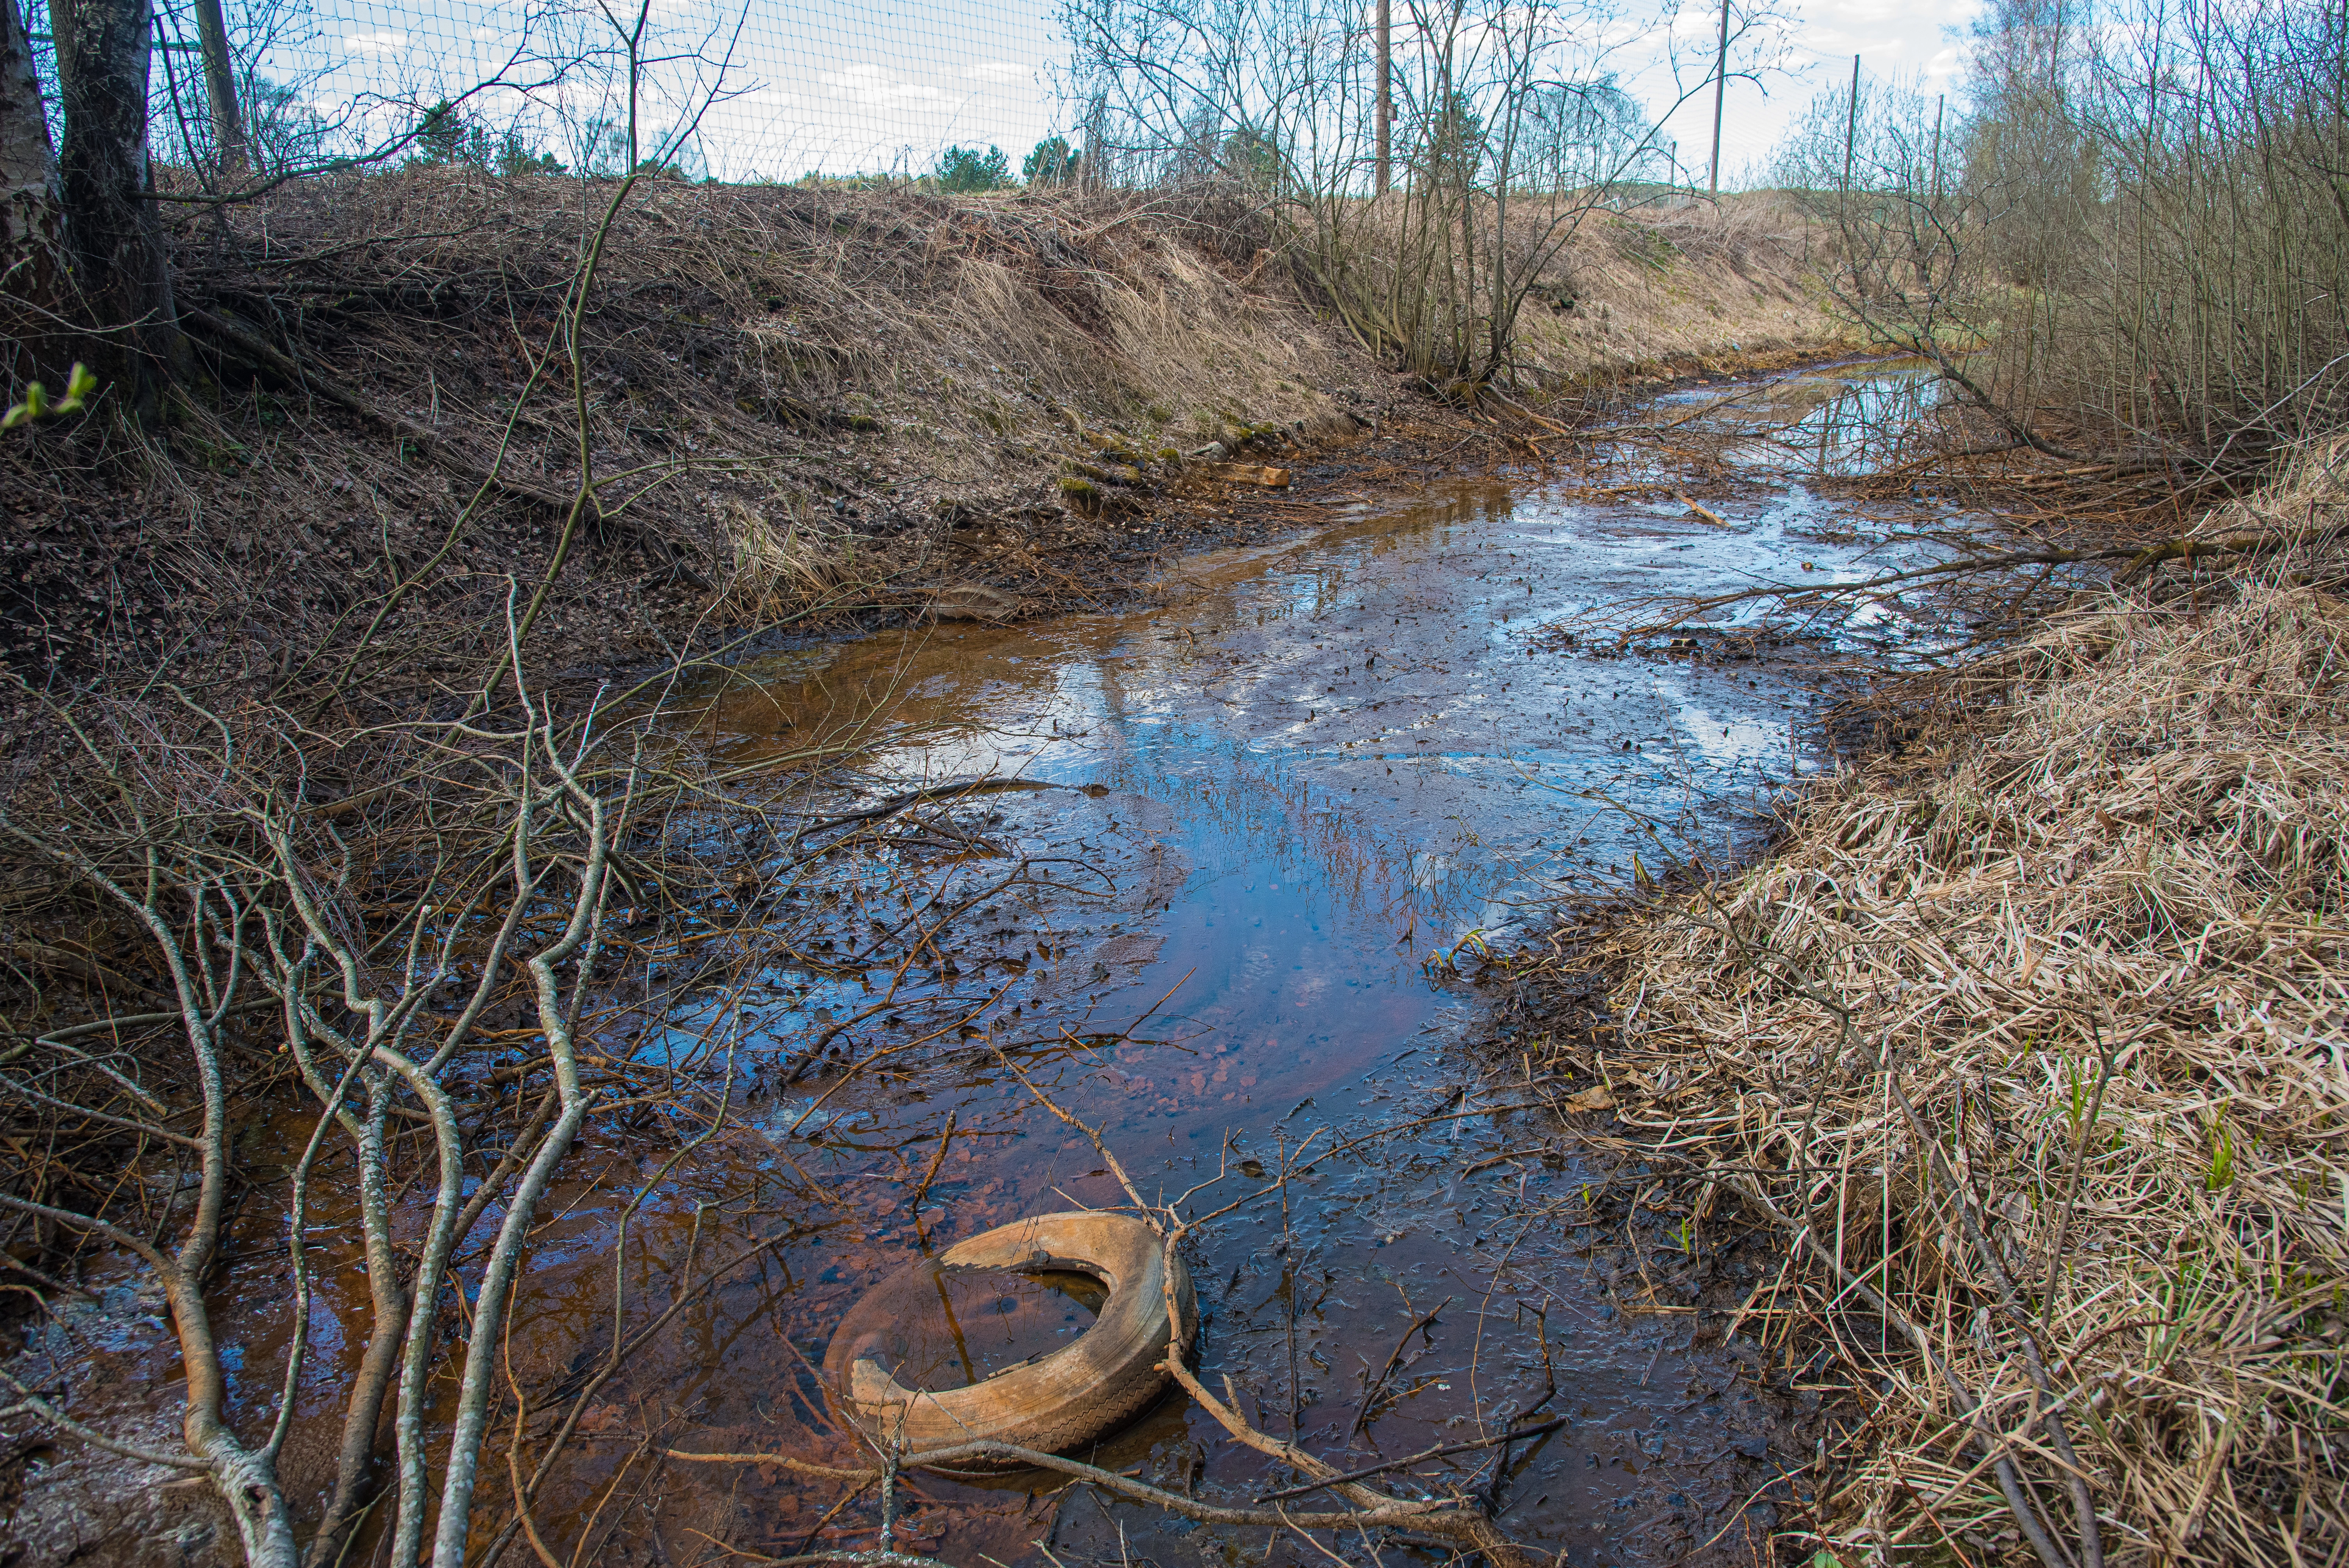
1288 796
952 1330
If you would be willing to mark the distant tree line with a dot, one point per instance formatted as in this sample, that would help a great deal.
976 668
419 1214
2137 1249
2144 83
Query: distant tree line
1052 161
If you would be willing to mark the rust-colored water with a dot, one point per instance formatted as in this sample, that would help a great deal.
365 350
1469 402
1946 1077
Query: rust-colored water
1286 787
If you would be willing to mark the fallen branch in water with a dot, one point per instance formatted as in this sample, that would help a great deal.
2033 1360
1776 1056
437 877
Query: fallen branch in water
912 797
2140 561
876 1559
1462 1522
1514 1434
1706 513
1379 1383
1417 1513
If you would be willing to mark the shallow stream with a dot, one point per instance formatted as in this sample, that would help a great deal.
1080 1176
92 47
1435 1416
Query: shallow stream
1237 854
1289 802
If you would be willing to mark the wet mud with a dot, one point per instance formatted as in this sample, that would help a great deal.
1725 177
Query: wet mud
1242 852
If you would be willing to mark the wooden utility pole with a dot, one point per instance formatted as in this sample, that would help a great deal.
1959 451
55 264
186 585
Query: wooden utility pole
1939 105
1926 248
1843 191
1382 112
220 88
1851 124
1720 90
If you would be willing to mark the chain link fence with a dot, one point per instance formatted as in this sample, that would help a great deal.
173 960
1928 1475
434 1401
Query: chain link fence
829 89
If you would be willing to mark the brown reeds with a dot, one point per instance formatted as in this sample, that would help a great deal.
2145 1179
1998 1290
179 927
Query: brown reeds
2029 1038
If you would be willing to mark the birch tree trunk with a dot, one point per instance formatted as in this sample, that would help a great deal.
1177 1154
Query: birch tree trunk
32 217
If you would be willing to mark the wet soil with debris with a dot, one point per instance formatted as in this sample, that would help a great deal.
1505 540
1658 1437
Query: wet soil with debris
1239 855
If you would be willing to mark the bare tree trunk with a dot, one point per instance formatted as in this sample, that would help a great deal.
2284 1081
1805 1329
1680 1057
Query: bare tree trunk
1720 97
61 22
220 91
32 217
117 233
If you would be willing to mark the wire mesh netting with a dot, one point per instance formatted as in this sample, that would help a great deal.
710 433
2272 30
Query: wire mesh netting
730 91
970 91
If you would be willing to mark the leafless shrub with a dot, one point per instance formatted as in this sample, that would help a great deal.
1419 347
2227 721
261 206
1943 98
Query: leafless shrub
1513 133
197 828
2128 248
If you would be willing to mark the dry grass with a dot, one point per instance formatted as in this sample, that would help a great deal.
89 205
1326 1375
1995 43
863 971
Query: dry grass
799 403
1607 296
1696 287
2039 1030
867 367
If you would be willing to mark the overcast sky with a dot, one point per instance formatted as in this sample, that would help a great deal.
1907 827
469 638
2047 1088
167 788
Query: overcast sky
881 84
1914 41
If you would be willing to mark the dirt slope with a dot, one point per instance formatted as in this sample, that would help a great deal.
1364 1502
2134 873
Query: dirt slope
799 403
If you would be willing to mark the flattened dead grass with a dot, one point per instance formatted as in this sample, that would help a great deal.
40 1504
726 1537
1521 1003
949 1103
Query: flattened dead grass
2041 1034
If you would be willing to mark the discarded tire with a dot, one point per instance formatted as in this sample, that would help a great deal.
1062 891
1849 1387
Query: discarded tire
1055 1402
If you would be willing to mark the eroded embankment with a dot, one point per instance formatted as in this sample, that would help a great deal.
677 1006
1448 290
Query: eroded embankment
2030 1039
793 403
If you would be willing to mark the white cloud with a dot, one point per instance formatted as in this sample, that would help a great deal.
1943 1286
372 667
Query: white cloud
380 43
876 84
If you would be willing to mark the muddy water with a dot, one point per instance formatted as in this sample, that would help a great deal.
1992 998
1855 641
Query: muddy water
1249 842
1286 803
